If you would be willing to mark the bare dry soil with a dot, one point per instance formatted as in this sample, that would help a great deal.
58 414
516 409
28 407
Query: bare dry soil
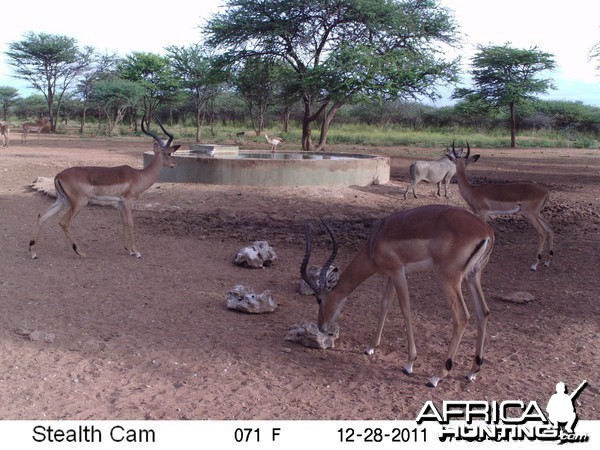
151 338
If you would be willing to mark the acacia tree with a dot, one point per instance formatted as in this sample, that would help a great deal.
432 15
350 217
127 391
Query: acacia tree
193 66
102 68
50 63
154 73
507 77
114 97
257 81
9 96
340 49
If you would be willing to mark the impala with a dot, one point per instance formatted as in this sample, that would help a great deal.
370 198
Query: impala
77 185
449 241
5 132
31 127
486 200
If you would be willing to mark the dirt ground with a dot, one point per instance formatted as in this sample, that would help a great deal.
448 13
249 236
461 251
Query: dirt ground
151 338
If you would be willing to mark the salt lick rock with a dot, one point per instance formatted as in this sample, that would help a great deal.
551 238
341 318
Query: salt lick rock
309 335
255 256
244 299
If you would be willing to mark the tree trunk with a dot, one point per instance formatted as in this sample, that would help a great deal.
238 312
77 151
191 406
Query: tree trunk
513 126
325 126
286 119
307 119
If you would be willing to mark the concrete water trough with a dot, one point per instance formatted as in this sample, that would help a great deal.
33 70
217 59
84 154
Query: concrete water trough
214 164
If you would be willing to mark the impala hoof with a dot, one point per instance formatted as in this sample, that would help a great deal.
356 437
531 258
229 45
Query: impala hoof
433 382
370 351
471 377
408 369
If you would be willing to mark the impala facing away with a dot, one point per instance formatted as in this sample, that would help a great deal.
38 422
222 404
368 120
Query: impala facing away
77 185
31 127
449 241
487 200
5 132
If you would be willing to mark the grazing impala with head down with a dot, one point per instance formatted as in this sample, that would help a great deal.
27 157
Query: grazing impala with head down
487 200
77 185
450 242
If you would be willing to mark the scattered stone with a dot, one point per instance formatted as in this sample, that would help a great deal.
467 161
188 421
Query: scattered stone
36 335
259 254
516 297
313 272
243 299
309 335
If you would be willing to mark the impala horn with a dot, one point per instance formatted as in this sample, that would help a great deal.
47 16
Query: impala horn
320 287
168 144
155 136
304 264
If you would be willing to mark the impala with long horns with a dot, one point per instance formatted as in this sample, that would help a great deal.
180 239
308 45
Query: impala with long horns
449 241
486 200
77 185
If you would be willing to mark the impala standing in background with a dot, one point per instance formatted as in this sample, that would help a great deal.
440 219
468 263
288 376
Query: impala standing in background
33 127
487 200
77 185
5 132
450 242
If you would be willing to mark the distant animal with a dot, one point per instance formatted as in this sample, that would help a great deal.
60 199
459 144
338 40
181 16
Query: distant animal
487 199
75 187
274 142
33 127
5 132
439 171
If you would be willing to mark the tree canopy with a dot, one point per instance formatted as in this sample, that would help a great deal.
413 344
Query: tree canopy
340 50
504 76
50 63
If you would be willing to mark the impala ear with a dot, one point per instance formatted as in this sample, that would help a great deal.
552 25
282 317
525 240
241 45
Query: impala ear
473 159
156 148
175 147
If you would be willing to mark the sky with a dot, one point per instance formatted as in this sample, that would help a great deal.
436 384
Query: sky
568 30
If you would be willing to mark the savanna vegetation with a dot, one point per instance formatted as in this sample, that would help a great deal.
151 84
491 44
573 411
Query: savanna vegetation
348 71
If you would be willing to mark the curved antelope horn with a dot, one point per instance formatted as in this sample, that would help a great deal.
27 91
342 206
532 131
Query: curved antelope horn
168 144
468 150
151 133
323 275
304 264
454 150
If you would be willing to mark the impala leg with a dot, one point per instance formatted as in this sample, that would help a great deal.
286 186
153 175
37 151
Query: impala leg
460 317
126 230
56 207
65 222
541 231
550 234
386 303
127 204
401 287
481 311
439 189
